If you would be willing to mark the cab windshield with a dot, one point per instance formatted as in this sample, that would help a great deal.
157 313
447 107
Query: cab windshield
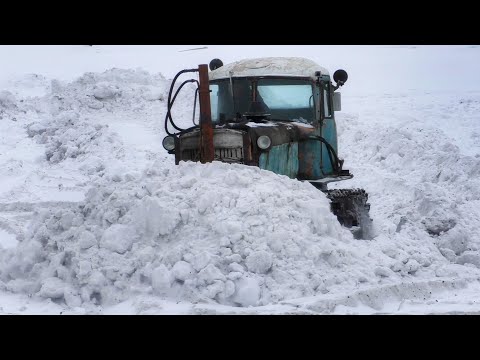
284 99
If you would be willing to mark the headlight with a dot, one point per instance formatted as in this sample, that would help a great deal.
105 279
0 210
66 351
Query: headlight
169 143
264 142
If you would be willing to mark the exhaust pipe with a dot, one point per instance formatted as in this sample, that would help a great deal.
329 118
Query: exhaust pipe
207 150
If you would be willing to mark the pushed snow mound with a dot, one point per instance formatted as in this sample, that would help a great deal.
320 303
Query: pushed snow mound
111 90
422 169
222 233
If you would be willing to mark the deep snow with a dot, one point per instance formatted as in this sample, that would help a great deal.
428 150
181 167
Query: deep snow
96 218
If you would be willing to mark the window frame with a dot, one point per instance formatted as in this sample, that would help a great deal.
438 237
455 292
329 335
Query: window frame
312 86
326 91
309 80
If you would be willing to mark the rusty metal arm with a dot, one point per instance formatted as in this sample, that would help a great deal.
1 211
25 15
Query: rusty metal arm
207 151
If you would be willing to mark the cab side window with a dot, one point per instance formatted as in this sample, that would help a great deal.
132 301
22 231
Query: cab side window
214 101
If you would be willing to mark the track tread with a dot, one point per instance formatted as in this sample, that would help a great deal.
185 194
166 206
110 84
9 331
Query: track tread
352 210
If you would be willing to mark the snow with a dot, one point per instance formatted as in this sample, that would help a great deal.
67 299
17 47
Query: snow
266 124
238 234
7 240
271 124
269 66
96 218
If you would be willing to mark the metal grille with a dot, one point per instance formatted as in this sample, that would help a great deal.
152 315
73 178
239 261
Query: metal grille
191 155
234 155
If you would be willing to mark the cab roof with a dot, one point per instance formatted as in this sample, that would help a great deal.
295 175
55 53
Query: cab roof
269 66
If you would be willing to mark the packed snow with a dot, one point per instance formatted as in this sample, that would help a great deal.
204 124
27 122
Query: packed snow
95 217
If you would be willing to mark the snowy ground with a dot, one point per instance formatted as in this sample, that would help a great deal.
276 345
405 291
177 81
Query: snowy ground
96 219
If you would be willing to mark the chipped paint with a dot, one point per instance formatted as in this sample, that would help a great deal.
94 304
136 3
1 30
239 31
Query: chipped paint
282 160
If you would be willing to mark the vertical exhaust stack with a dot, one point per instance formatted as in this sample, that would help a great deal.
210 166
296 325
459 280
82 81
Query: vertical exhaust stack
207 150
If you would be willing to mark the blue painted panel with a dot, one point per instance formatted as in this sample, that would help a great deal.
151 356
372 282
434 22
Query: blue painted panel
281 159
329 133
309 159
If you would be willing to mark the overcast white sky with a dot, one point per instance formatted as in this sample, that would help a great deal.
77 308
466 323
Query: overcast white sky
372 69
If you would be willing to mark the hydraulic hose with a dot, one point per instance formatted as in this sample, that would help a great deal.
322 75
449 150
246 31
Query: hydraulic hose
169 114
171 101
195 104
332 155
170 105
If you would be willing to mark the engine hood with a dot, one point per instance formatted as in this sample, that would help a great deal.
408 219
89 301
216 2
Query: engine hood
280 132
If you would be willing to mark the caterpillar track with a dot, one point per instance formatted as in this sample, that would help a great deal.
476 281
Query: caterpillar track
352 210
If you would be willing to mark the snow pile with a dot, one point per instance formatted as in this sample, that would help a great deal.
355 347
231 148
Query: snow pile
86 116
7 100
67 137
228 234
422 181
111 90
65 123
223 233
59 142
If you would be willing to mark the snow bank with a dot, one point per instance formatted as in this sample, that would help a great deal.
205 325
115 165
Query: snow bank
59 141
7 240
228 234
420 162
224 233
66 125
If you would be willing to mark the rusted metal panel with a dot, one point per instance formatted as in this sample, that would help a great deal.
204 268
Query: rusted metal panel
314 159
206 126
190 141
228 146
310 162
228 155
247 151
221 138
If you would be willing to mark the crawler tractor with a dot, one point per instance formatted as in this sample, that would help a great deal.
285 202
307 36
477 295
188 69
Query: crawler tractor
274 113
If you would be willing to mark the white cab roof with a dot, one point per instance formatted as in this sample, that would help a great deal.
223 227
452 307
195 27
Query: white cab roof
269 66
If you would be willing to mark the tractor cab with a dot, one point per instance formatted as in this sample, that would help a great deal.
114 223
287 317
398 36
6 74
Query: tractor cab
274 113
270 89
